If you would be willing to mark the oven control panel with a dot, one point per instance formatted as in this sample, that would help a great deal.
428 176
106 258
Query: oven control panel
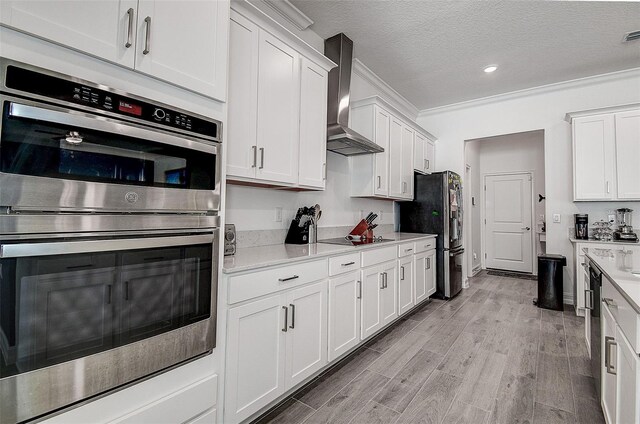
72 91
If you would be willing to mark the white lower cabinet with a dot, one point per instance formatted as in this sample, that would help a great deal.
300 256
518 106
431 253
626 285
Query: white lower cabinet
389 292
344 313
609 365
405 284
628 379
425 275
372 281
273 344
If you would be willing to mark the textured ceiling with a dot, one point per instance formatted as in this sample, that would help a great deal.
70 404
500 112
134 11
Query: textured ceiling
434 52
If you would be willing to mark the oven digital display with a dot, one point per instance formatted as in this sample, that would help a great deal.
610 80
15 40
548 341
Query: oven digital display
130 108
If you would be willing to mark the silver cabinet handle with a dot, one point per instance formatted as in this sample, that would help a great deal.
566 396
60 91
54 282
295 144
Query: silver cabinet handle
293 316
402 273
379 182
324 171
428 263
428 164
588 294
286 318
147 37
282 280
608 342
130 28
408 250
381 280
349 263
386 280
255 156
607 186
404 187
525 228
609 302
359 295
261 158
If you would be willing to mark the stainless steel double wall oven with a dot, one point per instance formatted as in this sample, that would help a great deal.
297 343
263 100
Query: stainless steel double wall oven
109 230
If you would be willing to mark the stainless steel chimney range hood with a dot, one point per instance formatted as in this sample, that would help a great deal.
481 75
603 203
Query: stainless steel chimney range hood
340 138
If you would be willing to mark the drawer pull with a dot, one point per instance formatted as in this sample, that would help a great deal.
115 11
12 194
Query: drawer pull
282 280
408 250
349 263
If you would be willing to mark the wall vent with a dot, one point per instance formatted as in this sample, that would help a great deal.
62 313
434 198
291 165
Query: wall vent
631 36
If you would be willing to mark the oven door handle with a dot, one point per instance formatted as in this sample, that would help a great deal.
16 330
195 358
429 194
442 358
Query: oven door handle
23 250
85 120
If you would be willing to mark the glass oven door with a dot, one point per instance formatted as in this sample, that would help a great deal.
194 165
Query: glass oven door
113 309
54 159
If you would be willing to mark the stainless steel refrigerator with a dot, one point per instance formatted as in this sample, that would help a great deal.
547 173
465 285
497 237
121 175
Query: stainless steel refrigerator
437 209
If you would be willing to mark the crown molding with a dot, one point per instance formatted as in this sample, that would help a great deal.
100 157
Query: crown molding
399 102
290 13
569 117
575 83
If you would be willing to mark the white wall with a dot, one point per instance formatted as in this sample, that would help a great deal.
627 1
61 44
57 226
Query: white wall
534 110
473 189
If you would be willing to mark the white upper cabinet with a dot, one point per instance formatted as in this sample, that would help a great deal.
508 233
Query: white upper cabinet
423 154
181 42
278 110
605 154
628 154
387 175
104 28
593 139
184 42
277 116
243 91
313 125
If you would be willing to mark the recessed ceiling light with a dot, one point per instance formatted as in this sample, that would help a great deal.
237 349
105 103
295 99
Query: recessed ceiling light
490 68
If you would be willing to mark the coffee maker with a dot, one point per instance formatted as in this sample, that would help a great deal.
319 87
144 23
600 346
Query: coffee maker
625 230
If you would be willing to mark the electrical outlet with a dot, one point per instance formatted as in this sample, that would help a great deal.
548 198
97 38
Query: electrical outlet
278 214
556 218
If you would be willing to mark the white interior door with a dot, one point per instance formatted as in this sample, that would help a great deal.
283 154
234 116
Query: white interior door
508 223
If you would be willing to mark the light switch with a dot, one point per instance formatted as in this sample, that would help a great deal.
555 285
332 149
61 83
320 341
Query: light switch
556 218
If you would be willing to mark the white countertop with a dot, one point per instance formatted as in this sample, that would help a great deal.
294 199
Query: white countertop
279 254
618 264
612 242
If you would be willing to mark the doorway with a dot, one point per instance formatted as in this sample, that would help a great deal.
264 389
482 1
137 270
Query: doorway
508 214
508 171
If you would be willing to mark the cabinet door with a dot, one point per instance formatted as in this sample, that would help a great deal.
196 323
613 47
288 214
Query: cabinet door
382 127
371 301
313 125
344 313
389 295
278 110
593 157
255 356
185 43
419 154
100 28
307 332
405 285
609 366
395 159
407 162
243 98
628 373
430 156
420 279
430 283
628 154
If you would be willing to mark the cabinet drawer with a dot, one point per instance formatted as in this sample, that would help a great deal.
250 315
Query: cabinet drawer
344 263
377 256
426 244
259 283
625 316
405 249
177 407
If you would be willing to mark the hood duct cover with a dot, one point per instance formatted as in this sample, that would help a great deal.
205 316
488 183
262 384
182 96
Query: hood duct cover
340 138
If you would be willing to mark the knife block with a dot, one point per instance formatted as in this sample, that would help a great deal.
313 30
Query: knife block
361 230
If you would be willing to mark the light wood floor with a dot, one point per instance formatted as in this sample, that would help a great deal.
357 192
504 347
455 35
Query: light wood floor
487 356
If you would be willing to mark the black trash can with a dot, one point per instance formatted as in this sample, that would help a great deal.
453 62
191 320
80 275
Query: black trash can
550 281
